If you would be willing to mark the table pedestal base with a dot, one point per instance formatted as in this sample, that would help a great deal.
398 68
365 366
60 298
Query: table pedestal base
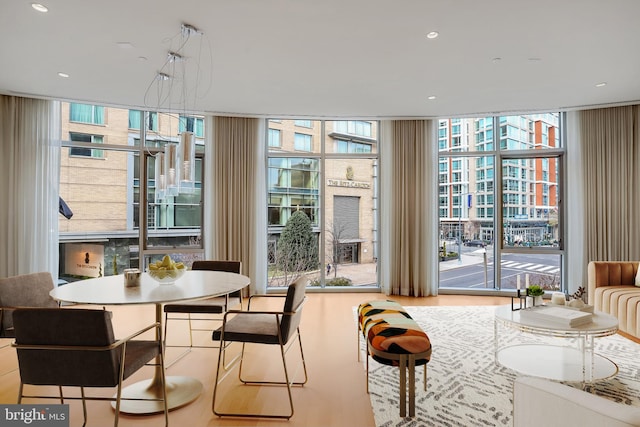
180 391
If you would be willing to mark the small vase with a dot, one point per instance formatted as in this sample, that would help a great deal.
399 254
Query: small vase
537 300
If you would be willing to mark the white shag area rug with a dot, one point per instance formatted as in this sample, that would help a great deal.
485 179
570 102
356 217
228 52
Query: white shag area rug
465 387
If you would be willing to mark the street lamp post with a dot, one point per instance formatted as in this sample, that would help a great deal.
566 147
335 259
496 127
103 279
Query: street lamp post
460 232
460 225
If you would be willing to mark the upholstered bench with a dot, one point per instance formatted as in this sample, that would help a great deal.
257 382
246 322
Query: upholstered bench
394 338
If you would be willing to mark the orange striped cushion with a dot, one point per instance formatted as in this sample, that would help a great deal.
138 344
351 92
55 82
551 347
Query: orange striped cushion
389 328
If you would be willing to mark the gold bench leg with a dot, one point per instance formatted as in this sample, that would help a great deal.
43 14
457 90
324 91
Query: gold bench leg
412 385
403 386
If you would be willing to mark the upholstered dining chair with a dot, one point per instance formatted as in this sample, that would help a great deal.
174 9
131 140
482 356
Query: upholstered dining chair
210 309
263 327
76 348
27 290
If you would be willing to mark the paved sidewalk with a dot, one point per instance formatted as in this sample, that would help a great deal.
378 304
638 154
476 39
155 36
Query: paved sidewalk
469 258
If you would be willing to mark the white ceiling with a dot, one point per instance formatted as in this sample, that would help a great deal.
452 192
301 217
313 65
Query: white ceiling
330 58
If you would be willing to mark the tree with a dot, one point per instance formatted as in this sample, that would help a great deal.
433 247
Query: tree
335 233
297 249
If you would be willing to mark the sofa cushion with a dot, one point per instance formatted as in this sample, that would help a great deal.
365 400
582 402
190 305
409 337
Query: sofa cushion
614 289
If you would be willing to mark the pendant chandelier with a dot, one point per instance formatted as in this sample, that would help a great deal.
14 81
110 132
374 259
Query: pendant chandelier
175 166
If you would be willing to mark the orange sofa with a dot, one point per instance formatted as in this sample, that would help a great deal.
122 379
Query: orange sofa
612 289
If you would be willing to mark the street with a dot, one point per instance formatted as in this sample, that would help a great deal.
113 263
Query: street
470 270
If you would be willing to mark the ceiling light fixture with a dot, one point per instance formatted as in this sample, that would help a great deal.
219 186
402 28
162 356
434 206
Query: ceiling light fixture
174 57
431 98
433 34
61 74
40 7
160 176
602 84
175 166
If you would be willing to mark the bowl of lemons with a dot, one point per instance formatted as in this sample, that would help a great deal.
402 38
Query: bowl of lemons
166 271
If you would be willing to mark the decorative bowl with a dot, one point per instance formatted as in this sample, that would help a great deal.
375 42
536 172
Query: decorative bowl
166 276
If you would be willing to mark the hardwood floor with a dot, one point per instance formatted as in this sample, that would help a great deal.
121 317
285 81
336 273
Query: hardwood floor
334 395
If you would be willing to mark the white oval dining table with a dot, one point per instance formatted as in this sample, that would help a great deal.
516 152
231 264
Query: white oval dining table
110 290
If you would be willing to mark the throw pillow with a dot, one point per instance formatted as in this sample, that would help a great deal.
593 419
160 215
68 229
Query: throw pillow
638 276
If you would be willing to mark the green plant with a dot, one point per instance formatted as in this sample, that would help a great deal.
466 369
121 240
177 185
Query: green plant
297 248
336 281
535 291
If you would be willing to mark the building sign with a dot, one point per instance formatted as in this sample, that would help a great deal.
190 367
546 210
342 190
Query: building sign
84 260
347 183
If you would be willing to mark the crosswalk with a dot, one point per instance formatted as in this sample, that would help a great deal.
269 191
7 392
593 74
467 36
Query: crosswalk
542 268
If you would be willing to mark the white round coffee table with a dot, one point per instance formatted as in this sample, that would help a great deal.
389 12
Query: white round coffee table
558 360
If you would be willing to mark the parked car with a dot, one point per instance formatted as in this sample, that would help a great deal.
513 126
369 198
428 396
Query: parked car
479 243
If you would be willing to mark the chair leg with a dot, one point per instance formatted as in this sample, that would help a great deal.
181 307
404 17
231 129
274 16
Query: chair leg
358 337
218 379
286 377
241 362
118 399
287 382
425 377
84 408
304 364
164 390
190 331
191 346
184 353
20 392
298 383
367 356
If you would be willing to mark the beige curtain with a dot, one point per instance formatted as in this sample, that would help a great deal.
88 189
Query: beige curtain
29 172
235 217
611 170
409 208
573 195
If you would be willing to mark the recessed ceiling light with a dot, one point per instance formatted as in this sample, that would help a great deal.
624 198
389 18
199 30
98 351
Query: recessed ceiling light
496 59
40 7
124 45
142 58
163 76
431 98
61 74
432 35
601 84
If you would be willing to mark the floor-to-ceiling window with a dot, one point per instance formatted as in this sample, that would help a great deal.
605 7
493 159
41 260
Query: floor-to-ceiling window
322 185
101 181
499 202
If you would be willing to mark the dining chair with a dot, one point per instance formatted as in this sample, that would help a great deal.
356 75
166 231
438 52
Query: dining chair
76 348
211 308
263 327
26 290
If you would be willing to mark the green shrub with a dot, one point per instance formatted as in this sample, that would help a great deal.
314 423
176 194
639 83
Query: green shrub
535 291
336 281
